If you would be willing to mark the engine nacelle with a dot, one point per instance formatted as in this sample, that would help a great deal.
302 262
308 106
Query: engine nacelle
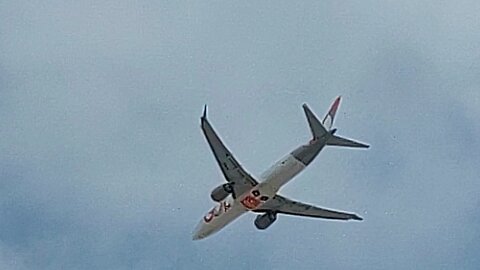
221 192
264 221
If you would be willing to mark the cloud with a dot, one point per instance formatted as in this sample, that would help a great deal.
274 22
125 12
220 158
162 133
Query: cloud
103 164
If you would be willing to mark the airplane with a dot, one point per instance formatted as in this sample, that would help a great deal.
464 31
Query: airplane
242 193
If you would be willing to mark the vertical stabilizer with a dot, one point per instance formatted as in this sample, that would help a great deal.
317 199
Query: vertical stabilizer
328 120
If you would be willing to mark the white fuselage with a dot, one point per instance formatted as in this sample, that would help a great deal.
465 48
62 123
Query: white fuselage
229 209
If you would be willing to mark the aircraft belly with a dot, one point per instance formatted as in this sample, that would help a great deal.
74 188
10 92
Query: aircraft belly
282 172
228 217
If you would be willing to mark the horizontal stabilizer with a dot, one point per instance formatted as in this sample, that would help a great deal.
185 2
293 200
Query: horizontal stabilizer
318 130
339 141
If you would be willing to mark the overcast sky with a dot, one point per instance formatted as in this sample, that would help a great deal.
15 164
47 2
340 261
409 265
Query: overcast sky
103 164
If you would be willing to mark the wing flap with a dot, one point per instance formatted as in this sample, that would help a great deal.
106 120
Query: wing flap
287 206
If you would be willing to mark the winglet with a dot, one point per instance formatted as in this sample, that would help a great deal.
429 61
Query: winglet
204 116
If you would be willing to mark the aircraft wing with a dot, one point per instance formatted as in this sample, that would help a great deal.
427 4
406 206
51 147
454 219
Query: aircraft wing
282 205
231 169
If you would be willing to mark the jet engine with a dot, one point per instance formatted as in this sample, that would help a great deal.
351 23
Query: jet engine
221 192
264 221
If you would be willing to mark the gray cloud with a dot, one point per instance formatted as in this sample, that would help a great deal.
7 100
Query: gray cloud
103 164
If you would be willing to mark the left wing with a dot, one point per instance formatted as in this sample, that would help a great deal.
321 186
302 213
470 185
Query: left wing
232 170
282 205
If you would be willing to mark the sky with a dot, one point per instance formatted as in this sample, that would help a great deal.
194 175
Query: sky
103 164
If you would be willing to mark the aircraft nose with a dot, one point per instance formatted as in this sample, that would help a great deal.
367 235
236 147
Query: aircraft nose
196 236
198 232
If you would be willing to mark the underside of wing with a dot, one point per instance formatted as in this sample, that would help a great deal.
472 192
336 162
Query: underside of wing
282 205
231 169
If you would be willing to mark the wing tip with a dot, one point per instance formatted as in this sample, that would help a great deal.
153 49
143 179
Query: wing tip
356 217
204 115
362 145
307 110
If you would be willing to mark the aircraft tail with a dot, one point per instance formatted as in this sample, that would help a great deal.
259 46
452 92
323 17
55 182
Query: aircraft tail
324 128
330 116
318 128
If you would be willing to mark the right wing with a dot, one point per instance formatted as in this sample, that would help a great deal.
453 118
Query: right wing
232 170
282 205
